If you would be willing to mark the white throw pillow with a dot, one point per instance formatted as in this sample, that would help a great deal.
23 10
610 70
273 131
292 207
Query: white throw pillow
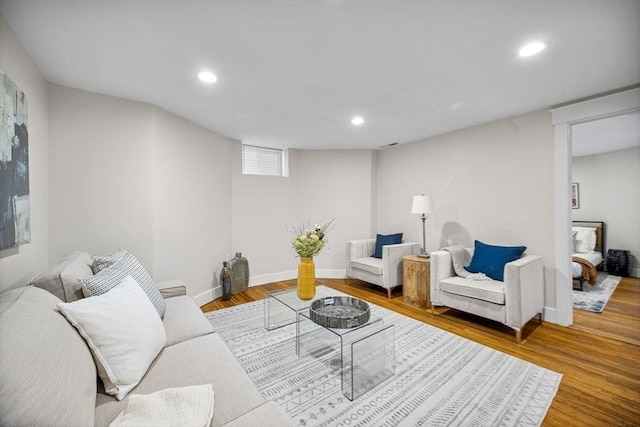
123 332
584 240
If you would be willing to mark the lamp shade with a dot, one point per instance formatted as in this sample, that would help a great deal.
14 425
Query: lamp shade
421 205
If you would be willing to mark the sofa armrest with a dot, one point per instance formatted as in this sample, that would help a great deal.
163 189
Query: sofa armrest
524 289
172 288
441 268
392 261
359 249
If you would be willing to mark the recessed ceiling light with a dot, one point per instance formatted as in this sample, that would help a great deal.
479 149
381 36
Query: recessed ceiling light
207 77
531 49
357 120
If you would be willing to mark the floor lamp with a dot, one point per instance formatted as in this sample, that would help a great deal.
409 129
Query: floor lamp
422 206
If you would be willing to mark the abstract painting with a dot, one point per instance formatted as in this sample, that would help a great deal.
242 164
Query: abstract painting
15 211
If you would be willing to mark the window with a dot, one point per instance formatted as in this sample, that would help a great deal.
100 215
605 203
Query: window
264 161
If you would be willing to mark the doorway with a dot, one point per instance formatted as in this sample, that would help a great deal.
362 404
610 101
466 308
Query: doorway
563 119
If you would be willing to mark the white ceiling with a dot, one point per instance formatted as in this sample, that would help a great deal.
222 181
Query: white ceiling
610 134
293 73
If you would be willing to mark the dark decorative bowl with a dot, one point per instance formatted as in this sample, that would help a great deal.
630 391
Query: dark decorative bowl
339 312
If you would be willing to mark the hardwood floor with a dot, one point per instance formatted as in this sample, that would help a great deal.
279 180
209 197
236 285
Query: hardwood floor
620 318
599 357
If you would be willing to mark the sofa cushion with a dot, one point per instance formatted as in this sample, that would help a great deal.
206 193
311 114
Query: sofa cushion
487 290
490 259
184 320
63 279
110 277
370 264
383 240
47 374
201 360
123 332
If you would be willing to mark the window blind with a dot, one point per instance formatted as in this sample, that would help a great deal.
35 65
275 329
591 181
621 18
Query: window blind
262 161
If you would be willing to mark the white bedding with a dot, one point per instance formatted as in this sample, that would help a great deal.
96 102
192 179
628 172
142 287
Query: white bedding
594 258
576 270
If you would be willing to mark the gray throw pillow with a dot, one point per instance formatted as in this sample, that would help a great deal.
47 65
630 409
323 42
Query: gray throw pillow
111 276
100 262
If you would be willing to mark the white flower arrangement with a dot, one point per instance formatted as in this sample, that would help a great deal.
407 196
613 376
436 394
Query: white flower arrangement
308 242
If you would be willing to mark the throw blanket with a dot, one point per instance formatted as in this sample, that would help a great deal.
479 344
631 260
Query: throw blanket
181 406
460 258
589 272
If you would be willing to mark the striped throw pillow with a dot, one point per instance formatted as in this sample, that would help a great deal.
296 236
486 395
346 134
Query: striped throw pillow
111 276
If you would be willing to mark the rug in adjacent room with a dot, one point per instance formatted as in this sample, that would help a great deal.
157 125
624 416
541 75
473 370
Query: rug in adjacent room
595 297
440 378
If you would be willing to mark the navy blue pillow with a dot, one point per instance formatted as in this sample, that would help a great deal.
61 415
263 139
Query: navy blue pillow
382 240
490 260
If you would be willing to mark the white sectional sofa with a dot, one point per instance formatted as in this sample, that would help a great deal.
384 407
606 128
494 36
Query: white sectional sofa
48 376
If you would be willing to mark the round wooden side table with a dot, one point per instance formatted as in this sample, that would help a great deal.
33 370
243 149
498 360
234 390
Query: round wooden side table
415 281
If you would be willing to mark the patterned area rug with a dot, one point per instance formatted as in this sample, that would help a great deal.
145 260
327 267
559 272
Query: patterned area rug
594 298
440 379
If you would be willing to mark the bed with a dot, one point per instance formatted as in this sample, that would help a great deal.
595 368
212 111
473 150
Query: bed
588 251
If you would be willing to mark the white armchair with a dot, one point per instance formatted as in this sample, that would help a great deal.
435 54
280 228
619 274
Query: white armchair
512 302
385 272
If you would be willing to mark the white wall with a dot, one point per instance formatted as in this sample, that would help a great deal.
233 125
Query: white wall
609 192
502 188
129 175
191 207
262 209
321 185
18 265
337 184
100 180
126 174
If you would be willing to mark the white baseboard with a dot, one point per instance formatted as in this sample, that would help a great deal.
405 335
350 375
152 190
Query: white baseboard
208 296
550 315
332 274
272 277
292 274
263 279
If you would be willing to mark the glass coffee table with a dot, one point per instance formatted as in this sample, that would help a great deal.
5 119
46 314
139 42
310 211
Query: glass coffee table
365 355
281 307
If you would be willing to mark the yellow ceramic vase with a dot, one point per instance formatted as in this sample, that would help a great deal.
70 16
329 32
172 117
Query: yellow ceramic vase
306 278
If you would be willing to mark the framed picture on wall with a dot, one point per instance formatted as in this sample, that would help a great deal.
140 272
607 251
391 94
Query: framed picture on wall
575 195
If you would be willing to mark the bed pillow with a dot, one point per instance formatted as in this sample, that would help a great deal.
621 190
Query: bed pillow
490 259
123 332
126 265
383 240
585 239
